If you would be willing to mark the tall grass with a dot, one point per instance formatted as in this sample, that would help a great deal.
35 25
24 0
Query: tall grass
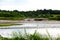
26 36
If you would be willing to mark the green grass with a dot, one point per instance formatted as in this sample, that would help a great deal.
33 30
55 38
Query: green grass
11 18
8 24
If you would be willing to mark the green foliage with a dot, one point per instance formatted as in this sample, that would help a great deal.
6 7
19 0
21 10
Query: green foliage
15 14
55 17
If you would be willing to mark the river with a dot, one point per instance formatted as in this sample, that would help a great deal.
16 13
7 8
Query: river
42 26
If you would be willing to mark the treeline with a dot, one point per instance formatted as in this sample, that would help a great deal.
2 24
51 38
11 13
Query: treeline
50 14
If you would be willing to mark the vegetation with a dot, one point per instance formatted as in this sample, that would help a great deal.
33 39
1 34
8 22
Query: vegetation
18 36
35 36
8 24
20 15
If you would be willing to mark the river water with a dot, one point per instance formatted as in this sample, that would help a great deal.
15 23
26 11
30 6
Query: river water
42 27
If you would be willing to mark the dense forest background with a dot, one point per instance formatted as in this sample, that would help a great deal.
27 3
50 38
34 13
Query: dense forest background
15 14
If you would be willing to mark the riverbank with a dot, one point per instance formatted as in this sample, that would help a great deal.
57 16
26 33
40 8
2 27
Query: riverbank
23 21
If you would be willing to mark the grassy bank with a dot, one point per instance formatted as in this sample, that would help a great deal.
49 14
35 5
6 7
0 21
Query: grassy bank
11 18
47 16
8 24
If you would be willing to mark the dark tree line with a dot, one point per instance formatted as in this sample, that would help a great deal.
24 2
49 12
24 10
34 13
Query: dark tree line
51 14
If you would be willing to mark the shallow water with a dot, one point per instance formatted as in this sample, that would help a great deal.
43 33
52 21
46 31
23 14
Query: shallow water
53 32
41 27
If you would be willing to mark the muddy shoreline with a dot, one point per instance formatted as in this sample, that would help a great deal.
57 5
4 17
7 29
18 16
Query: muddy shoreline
22 21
